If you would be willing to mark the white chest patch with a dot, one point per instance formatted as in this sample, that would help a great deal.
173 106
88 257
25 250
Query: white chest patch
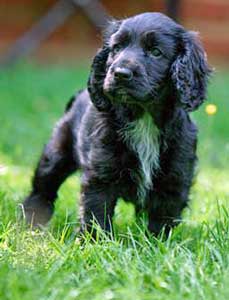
142 136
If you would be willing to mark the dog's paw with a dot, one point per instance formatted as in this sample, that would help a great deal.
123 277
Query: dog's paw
36 211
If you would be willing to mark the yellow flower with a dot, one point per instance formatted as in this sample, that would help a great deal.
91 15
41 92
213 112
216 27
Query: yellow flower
211 109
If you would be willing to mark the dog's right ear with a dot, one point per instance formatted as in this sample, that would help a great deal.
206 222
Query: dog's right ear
96 79
98 70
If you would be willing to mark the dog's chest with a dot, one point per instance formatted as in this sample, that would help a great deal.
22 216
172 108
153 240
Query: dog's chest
142 137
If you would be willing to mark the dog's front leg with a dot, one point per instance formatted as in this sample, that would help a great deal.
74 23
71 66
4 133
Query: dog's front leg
97 205
165 210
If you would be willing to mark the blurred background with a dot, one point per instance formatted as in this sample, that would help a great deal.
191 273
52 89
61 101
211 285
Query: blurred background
46 48
75 25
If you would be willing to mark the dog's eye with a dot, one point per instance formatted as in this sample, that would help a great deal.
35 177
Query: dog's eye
156 52
116 48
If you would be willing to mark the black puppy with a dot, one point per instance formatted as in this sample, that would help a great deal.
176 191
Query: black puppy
130 131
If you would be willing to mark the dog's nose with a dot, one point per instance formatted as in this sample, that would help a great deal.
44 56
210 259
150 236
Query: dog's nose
123 73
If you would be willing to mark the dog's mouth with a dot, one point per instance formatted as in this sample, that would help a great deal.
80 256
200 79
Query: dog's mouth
125 95
120 95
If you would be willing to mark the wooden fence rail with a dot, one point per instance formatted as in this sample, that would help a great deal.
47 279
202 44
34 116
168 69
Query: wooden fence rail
56 17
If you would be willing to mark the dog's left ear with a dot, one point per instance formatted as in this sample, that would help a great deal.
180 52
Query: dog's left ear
190 72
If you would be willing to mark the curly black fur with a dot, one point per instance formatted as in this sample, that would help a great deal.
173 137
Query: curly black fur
130 132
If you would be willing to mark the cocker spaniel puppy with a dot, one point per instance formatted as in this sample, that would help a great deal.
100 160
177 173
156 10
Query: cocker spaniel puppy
129 132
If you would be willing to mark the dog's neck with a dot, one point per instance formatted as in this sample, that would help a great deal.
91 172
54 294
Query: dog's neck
161 110
142 137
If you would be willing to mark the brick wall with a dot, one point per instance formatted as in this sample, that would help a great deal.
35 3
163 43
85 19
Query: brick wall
211 19
78 38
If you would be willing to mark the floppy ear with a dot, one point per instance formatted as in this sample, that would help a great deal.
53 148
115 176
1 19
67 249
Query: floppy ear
190 72
96 79
98 70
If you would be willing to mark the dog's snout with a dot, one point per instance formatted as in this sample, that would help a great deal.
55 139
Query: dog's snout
123 74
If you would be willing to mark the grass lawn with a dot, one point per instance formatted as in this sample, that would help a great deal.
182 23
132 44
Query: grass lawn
52 264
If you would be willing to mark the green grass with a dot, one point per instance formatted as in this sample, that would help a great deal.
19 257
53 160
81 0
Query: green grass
52 264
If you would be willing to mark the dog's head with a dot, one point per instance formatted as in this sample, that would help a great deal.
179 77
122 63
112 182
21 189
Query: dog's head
142 57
